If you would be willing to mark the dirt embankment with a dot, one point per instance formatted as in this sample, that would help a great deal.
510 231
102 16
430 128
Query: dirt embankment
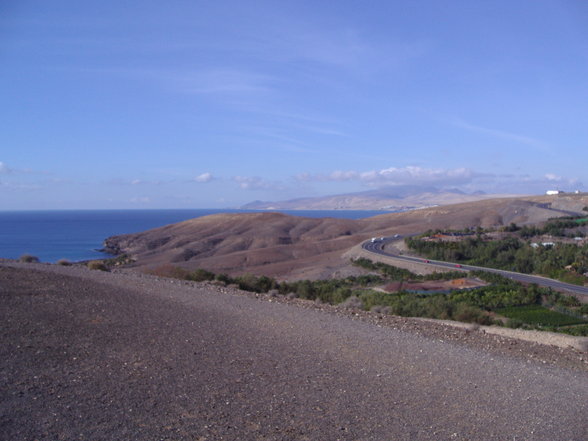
92 355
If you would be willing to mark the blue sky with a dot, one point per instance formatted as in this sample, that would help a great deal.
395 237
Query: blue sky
152 104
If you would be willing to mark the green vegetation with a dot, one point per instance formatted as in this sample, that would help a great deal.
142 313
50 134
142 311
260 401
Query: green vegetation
566 262
578 331
480 305
122 259
539 315
560 227
97 265
398 274
63 262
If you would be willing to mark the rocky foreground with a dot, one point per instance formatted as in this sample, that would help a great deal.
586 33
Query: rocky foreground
102 356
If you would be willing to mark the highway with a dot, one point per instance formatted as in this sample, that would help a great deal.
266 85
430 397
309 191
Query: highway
378 247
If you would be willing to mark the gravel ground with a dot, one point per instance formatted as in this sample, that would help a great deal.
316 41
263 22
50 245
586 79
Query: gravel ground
102 356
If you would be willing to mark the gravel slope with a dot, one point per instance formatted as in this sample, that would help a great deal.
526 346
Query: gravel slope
97 356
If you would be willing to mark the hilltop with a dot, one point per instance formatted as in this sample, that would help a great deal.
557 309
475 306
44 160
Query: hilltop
291 247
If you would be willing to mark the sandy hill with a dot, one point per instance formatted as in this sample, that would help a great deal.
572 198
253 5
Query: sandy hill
297 247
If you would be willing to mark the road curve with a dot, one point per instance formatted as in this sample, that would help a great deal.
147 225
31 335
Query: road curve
378 247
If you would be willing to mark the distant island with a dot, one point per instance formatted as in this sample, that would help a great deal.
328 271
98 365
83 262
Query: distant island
392 198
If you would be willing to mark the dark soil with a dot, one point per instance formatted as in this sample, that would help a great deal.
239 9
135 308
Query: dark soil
87 355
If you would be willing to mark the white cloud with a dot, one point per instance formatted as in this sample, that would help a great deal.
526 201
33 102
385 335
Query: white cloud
419 175
409 175
250 182
4 169
257 183
134 182
339 175
552 177
204 177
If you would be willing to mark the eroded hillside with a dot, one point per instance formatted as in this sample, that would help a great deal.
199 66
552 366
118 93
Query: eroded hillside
286 246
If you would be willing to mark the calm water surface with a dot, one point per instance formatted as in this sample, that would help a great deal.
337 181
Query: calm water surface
78 234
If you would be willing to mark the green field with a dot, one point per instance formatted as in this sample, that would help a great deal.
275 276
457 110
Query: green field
538 315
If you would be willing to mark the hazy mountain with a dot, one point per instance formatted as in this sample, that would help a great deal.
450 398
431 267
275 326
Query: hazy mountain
388 198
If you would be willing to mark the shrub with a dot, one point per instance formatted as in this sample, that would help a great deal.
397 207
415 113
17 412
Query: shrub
514 323
223 278
471 314
352 302
168 270
379 309
63 262
201 275
27 258
579 331
97 265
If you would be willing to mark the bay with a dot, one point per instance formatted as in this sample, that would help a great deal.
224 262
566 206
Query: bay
78 235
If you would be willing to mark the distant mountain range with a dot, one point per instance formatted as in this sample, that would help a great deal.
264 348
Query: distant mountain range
389 198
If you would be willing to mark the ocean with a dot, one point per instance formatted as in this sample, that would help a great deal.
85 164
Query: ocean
78 234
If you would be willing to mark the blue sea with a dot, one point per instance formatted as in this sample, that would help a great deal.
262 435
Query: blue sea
78 234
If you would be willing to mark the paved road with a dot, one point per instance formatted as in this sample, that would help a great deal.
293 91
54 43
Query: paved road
378 247
112 357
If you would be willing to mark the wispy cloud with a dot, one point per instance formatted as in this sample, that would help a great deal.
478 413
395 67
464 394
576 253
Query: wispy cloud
409 175
20 186
509 136
204 177
4 169
257 183
135 182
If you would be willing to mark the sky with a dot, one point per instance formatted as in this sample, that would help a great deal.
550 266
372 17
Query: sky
200 104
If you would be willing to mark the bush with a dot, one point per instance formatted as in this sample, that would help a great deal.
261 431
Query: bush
471 314
514 323
578 331
352 302
97 265
379 309
27 258
224 278
63 262
201 275
172 271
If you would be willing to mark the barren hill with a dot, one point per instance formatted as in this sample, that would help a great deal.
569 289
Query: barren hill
286 246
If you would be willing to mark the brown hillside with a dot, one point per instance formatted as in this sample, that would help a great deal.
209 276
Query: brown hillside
296 247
